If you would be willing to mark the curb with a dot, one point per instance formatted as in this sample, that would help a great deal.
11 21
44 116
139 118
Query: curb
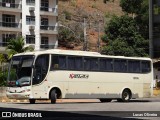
47 101
12 101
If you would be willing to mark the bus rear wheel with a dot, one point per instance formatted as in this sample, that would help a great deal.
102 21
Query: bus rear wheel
126 96
105 100
32 101
53 96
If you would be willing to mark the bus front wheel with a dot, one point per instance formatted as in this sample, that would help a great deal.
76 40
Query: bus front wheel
53 96
105 100
32 101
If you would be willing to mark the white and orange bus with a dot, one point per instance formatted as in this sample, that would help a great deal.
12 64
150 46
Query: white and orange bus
57 74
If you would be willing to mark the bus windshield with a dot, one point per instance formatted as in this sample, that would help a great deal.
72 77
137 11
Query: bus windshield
20 71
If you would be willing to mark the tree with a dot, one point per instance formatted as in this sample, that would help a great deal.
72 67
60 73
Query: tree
142 19
17 46
123 38
140 11
2 58
131 6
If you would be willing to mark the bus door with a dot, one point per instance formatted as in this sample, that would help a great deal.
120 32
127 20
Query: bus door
147 79
39 81
134 69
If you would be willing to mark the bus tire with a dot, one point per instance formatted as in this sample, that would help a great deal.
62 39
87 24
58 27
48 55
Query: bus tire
53 96
32 101
126 95
105 100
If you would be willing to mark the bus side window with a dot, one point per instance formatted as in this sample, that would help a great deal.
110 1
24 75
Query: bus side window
102 65
146 66
133 66
106 64
75 63
78 63
71 63
62 62
87 65
54 63
94 64
109 64
120 65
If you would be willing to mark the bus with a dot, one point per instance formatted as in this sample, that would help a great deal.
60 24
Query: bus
67 74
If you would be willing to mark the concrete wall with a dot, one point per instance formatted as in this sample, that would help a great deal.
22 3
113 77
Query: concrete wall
2 92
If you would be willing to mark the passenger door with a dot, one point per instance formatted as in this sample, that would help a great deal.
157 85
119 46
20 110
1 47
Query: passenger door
39 75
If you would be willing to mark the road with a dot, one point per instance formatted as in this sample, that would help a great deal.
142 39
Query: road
146 108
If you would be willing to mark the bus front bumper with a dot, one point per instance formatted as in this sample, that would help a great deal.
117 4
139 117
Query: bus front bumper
18 95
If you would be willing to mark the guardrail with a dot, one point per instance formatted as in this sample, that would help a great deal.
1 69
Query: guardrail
11 25
10 5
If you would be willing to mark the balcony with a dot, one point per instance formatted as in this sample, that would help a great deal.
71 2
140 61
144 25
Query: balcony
48 11
48 29
5 26
10 7
31 27
46 46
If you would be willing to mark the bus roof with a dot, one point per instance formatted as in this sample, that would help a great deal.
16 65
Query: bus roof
78 53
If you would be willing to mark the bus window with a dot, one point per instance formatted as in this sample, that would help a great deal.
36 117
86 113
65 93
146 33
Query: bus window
106 64
54 63
75 63
71 63
146 66
102 65
120 65
94 64
62 62
41 68
87 63
78 63
133 66
109 64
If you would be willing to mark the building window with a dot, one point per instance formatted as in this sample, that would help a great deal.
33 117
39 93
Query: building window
44 23
44 40
44 5
8 20
30 2
30 39
6 38
8 3
30 20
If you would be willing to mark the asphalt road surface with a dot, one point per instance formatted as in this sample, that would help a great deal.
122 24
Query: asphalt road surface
146 108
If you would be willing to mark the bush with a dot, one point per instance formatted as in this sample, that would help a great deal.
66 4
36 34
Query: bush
67 15
3 78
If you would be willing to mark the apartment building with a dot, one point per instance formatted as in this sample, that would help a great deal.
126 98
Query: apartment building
35 20
154 28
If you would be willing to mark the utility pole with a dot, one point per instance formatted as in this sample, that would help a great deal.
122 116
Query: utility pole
151 28
85 37
99 42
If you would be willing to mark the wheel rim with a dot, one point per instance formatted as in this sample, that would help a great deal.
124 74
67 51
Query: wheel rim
126 96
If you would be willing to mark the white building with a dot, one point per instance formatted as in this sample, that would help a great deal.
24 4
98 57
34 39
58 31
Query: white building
35 20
